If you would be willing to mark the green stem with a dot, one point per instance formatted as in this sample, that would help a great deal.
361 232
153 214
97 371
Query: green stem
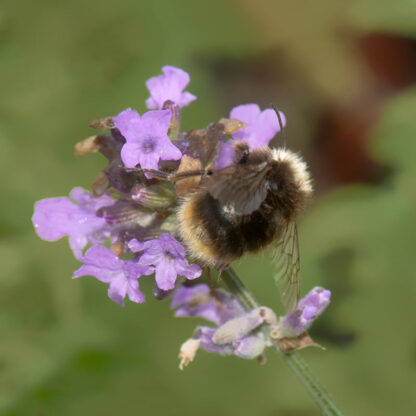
293 360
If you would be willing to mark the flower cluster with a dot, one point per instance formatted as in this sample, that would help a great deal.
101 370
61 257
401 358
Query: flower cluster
237 330
125 228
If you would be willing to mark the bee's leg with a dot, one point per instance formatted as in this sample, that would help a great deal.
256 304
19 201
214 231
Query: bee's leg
177 176
158 174
172 177
220 268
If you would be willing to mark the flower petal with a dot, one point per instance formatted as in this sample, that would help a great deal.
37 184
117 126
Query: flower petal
53 217
262 126
88 201
130 155
166 275
248 113
156 123
103 275
103 257
190 271
169 86
185 294
134 293
226 156
127 122
118 288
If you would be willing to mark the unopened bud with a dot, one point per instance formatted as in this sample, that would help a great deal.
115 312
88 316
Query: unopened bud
159 196
308 309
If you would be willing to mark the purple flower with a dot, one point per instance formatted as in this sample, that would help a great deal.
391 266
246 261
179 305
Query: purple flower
168 256
54 218
308 309
122 275
262 126
169 86
234 334
146 138
199 301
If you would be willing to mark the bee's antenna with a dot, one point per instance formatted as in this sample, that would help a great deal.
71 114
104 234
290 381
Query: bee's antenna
282 132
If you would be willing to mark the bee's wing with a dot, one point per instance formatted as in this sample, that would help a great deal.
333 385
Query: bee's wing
242 188
288 266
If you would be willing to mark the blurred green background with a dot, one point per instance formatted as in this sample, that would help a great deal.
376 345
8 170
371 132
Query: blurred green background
343 73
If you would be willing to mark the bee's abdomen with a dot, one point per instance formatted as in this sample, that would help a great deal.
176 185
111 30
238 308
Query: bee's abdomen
221 229
258 230
216 237
207 232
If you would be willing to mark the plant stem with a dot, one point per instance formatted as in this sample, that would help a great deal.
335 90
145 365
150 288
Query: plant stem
293 360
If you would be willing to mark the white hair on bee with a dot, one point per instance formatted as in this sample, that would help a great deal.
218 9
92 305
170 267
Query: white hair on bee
298 166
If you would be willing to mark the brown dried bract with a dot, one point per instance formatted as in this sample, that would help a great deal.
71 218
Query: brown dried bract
91 144
231 125
288 345
102 124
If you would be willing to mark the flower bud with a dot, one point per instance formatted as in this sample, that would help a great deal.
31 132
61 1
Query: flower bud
158 196
308 309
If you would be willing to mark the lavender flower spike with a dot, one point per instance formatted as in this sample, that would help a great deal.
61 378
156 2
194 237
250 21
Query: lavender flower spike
122 275
56 217
146 137
168 257
169 86
308 309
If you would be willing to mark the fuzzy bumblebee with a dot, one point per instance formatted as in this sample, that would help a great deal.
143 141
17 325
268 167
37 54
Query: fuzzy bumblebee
244 207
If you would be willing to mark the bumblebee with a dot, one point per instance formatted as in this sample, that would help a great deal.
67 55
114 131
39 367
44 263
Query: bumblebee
245 207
